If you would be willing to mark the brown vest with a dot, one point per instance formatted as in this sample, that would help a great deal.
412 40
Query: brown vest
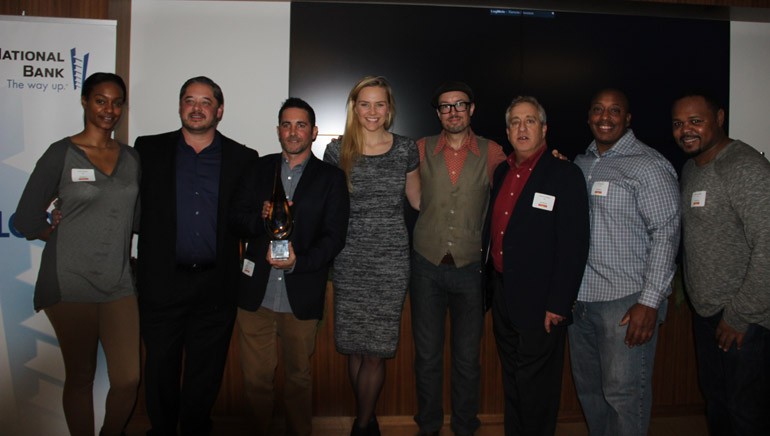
452 216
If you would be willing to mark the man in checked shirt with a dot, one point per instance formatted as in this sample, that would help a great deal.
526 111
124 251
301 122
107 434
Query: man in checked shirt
456 168
635 210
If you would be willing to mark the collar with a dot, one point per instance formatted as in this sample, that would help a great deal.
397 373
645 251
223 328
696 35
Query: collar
300 165
214 147
625 145
528 163
470 143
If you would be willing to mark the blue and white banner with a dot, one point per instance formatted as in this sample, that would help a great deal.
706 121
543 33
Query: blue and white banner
43 62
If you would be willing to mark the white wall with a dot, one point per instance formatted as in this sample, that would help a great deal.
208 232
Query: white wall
241 45
750 84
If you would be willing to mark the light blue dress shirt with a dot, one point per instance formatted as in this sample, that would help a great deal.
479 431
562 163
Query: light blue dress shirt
635 210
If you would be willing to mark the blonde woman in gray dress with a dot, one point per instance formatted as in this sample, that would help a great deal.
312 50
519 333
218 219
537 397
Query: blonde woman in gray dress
372 272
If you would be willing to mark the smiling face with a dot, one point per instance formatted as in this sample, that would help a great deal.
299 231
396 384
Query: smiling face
199 110
526 132
455 122
295 133
372 108
697 127
608 118
103 106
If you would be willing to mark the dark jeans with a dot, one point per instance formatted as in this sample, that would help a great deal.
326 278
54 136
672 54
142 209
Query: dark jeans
193 327
434 290
532 361
735 383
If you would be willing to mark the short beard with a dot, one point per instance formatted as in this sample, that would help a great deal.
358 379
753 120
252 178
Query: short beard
456 129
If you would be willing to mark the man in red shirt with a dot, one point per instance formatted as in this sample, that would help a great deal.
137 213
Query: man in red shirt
538 233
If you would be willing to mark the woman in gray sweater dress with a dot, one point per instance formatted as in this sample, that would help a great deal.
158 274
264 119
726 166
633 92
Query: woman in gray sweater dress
84 285
371 273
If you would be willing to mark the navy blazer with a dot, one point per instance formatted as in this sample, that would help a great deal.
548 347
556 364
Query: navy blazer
157 224
321 208
544 252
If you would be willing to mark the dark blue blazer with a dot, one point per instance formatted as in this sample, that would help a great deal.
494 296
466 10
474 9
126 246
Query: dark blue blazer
321 208
544 252
157 225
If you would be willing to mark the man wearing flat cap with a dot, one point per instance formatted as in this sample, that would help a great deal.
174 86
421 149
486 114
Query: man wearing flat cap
456 168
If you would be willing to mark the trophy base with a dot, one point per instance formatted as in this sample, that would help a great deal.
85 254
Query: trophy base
279 250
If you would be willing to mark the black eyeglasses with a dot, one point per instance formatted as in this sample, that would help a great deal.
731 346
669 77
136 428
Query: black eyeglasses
460 106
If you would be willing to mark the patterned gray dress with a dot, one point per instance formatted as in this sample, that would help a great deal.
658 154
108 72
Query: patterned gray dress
371 273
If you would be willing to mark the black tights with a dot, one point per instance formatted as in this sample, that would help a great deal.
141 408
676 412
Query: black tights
367 376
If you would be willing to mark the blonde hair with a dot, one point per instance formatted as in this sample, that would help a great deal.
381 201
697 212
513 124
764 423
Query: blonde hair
352 145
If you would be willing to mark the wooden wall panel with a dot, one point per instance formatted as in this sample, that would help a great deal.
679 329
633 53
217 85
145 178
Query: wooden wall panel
675 381
120 10
675 388
56 8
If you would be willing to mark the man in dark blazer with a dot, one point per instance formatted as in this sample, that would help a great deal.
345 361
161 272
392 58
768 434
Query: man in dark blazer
538 233
188 260
285 298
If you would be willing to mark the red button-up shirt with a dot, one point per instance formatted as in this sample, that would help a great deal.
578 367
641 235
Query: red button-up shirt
505 203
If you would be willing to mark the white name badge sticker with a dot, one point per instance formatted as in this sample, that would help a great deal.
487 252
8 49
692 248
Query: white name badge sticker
83 175
600 188
698 199
543 201
248 267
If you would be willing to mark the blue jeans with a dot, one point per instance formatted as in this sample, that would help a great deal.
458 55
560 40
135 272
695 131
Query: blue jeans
433 291
613 381
736 383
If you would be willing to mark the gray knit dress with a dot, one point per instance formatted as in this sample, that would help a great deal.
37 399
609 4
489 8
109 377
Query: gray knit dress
371 273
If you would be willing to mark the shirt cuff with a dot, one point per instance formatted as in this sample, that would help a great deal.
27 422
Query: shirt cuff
734 321
651 299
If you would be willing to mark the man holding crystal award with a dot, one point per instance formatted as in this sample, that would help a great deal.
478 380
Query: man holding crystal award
283 287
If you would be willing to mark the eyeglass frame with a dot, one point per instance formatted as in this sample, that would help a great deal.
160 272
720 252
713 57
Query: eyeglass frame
456 105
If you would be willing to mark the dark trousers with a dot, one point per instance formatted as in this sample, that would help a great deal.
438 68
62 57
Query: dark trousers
735 383
532 362
195 327
434 291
